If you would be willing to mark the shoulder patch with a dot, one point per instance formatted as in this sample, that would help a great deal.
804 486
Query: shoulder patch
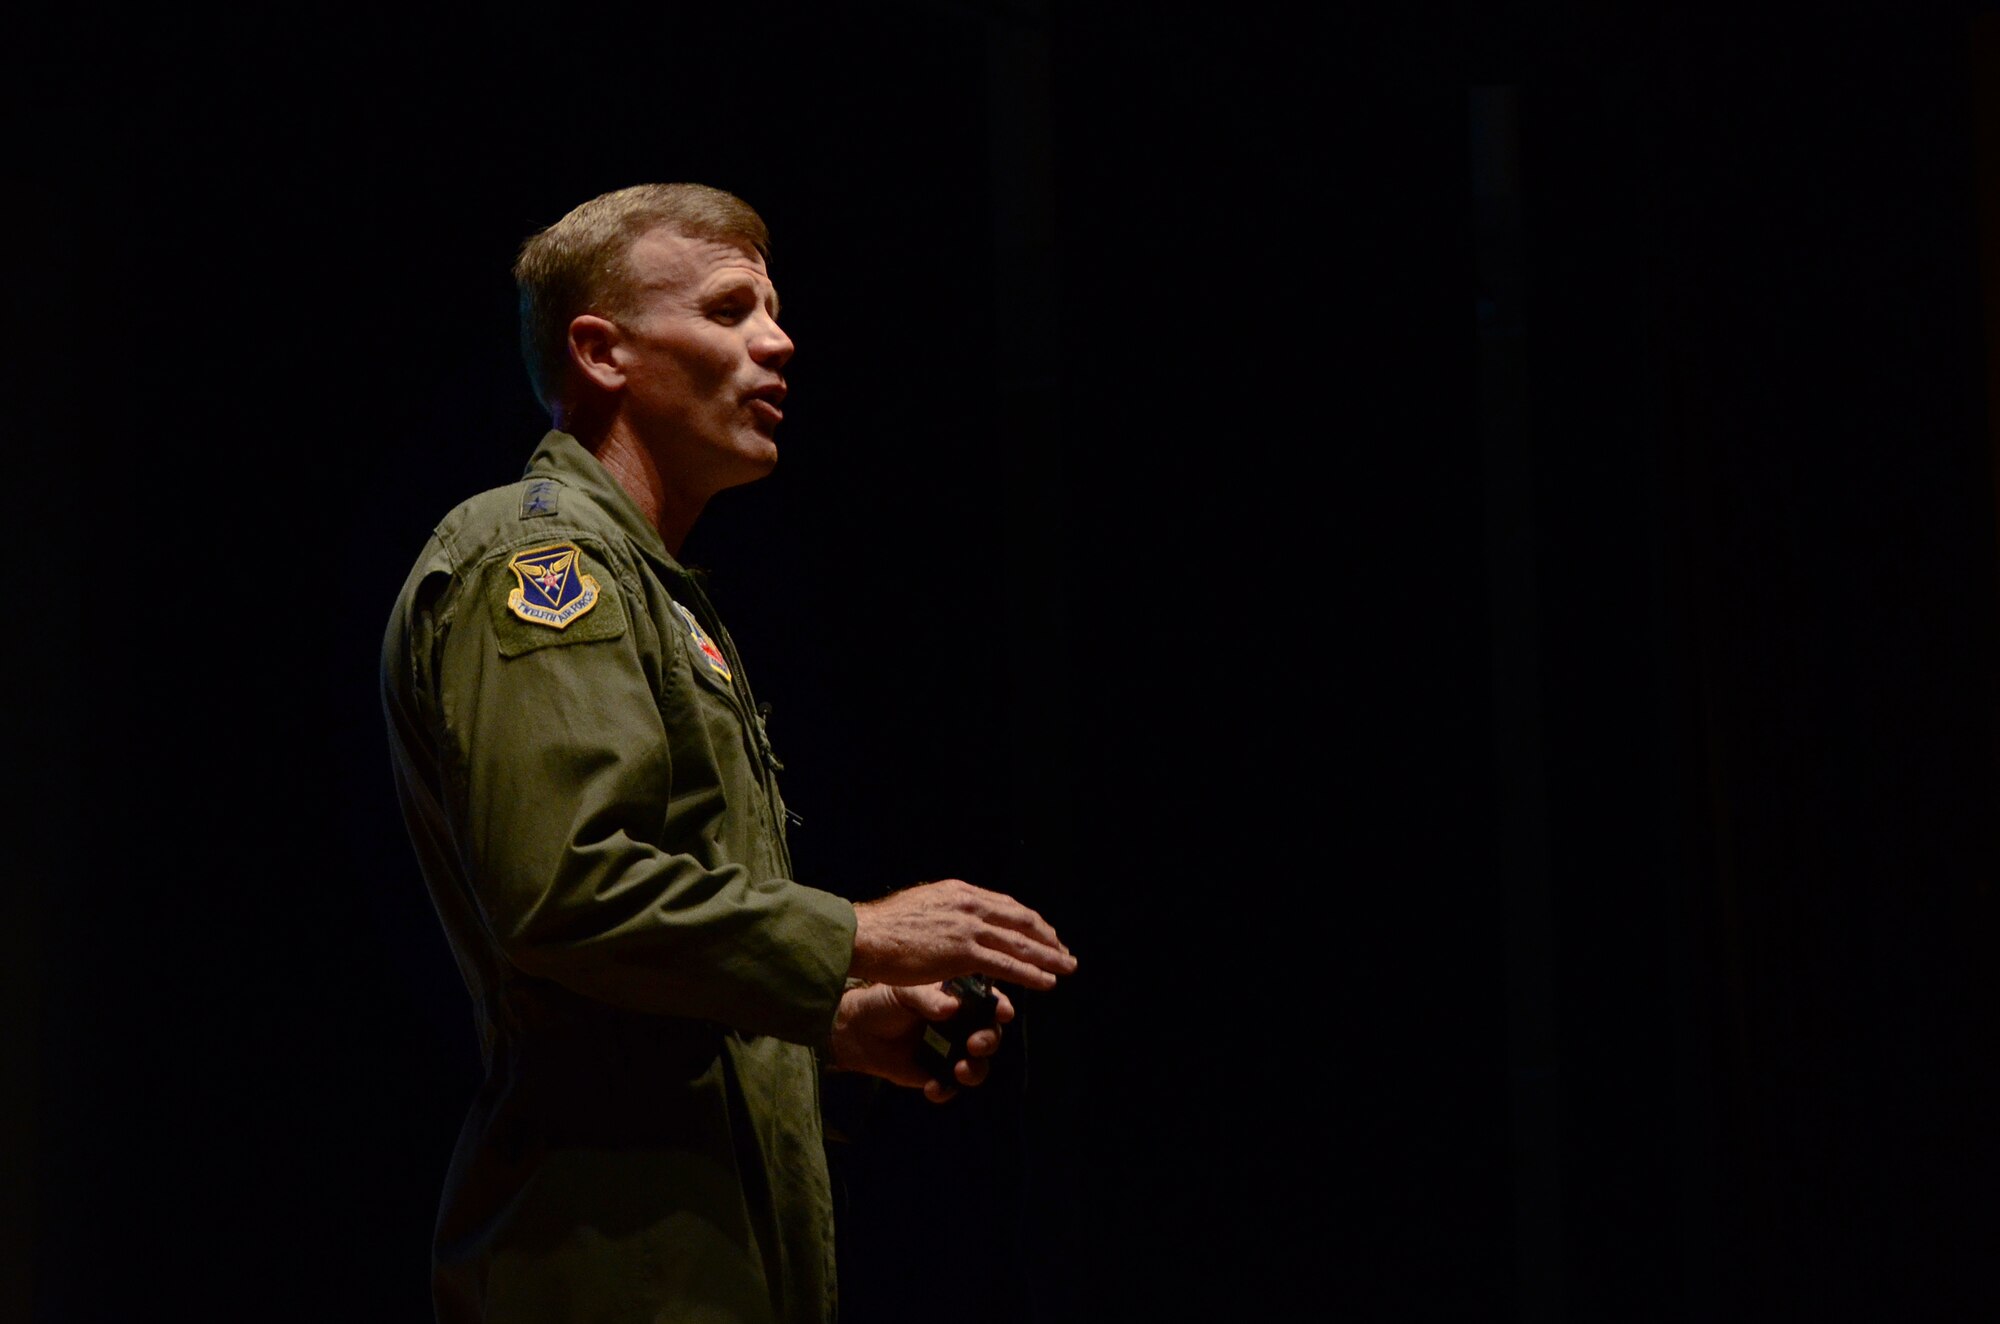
539 498
555 599
717 664
550 586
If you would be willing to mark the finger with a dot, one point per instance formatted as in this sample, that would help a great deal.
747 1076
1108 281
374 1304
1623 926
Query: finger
929 1001
971 1073
1004 1011
1000 965
983 1043
1004 911
1052 957
1030 926
937 1093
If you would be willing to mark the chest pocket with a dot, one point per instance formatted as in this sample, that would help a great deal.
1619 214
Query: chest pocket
710 664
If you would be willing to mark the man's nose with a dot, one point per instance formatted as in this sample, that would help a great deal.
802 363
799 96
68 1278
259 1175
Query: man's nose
770 347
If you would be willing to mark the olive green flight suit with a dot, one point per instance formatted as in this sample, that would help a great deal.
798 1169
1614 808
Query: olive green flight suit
594 803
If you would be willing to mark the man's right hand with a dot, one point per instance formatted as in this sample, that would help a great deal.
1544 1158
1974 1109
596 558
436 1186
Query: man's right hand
938 931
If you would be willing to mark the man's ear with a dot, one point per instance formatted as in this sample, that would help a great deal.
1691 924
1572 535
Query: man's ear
593 345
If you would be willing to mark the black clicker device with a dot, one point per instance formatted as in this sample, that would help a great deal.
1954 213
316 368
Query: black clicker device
943 1044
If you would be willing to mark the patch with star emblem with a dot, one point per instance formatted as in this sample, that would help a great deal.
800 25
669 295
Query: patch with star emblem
717 664
553 590
556 599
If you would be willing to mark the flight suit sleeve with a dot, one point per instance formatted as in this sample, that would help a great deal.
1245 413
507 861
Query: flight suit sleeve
582 846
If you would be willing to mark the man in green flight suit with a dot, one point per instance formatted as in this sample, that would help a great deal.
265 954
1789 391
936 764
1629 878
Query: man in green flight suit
594 802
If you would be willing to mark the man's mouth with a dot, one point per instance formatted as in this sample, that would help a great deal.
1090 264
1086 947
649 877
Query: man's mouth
764 403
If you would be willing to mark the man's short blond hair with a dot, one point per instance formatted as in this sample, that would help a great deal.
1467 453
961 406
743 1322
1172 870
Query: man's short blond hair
579 264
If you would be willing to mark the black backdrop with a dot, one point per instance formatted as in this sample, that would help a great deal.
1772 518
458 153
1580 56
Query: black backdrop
1453 557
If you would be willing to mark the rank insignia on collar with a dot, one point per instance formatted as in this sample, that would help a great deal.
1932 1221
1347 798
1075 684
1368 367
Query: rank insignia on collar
553 588
538 499
717 663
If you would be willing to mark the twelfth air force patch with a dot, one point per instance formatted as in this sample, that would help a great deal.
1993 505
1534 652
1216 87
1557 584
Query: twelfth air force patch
555 599
552 588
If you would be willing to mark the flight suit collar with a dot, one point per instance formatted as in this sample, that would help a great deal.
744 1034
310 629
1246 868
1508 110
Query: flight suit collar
563 457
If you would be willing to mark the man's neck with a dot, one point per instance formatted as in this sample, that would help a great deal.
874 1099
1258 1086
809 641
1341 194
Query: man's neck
667 508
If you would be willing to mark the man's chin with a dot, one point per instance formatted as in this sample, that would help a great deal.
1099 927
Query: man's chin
751 466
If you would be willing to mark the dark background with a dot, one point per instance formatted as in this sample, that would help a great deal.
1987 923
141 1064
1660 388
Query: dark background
1452 553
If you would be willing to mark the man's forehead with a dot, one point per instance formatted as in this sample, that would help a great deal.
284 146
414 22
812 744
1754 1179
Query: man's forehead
664 258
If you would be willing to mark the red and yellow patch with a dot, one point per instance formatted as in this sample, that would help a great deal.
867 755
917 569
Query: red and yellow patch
717 663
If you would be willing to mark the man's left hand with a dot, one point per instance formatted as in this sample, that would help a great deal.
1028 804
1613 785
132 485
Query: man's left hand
877 1029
